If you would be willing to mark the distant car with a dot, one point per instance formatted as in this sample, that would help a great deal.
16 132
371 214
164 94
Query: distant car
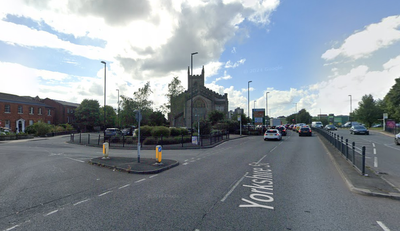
377 125
305 131
330 127
272 134
112 132
359 129
397 139
282 130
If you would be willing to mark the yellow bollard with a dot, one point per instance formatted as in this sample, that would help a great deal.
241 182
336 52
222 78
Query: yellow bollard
105 150
158 153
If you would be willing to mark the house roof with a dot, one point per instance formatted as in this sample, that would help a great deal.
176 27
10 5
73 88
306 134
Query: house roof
67 103
9 98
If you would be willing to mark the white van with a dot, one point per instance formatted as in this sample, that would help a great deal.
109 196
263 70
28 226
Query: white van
317 124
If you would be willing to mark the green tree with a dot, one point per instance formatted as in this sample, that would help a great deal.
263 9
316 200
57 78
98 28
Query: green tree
174 89
304 117
368 111
392 101
157 119
111 117
87 115
215 117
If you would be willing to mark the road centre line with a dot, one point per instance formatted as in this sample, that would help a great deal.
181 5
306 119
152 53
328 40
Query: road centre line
52 212
383 226
100 195
140 180
153 176
258 162
233 188
80 202
127 185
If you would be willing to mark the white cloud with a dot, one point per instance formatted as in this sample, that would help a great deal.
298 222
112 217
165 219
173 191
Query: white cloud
363 43
236 64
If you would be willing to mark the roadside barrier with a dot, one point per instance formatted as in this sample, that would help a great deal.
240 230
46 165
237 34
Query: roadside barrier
147 142
355 155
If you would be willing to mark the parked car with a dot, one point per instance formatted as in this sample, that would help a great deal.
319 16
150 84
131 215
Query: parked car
112 132
330 127
397 139
272 134
282 130
305 131
359 129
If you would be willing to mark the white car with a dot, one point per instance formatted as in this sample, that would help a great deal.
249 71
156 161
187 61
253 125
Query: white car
272 134
397 139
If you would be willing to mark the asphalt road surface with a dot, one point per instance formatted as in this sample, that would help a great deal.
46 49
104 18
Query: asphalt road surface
242 184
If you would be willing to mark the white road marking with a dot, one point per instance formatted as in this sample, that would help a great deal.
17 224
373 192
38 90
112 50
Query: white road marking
105 193
185 163
75 159
80 202
383 226
127 185
153 176
140 180
258 162
11 228
52 212
233 188
375 162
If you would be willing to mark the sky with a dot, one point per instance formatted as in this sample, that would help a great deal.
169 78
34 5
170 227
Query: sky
321 56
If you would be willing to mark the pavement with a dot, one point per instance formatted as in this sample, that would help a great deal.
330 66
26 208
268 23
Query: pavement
370 184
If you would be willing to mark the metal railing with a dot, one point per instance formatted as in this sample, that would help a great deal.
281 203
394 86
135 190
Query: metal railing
147 142
350 151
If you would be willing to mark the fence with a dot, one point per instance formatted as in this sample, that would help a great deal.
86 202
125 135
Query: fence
353 154
147 142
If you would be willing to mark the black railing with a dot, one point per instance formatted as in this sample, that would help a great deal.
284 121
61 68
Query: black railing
351 152
148 142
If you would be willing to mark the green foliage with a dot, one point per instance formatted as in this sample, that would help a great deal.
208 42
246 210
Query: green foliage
39 129
205 127
215 117
157 119
392 101
145 130
88 114
368 112
111 117
160 130
175 131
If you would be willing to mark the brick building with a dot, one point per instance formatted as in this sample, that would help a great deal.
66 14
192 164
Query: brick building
18 112
64 111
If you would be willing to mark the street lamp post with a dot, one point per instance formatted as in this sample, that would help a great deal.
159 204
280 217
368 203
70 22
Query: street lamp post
118 112
266 105
248 100
350 108
191 94
104 108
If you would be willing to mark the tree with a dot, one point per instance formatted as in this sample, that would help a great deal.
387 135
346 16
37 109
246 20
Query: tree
215 116
111 117
157 119
303 116
174 89
87 115
368 111
392 101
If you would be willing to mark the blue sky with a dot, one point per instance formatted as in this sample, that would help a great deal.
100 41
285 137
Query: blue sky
307 54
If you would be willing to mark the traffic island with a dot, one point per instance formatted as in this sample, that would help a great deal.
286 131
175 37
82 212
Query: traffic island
131 165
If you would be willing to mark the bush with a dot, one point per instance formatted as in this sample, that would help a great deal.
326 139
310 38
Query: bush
160 131
174 131
184 131
145 130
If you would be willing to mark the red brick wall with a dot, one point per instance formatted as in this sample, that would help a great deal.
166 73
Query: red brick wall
13 116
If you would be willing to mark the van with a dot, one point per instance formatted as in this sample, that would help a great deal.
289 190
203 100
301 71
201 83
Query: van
317 124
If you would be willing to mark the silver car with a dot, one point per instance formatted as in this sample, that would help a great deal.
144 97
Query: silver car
397 139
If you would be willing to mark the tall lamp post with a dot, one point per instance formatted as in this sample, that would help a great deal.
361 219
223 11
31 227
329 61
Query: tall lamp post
118 111
350 108
266 105
191 94
248 100
104 109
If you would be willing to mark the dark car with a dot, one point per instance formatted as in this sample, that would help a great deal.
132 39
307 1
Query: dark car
305 131
112 132
282 130
359 129
330 127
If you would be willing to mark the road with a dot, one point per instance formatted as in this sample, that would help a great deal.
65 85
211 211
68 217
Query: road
382 154
242 184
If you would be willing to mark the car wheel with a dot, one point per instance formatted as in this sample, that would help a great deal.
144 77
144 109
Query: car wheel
396 142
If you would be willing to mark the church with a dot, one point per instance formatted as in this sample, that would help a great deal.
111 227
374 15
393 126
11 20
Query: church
196 102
